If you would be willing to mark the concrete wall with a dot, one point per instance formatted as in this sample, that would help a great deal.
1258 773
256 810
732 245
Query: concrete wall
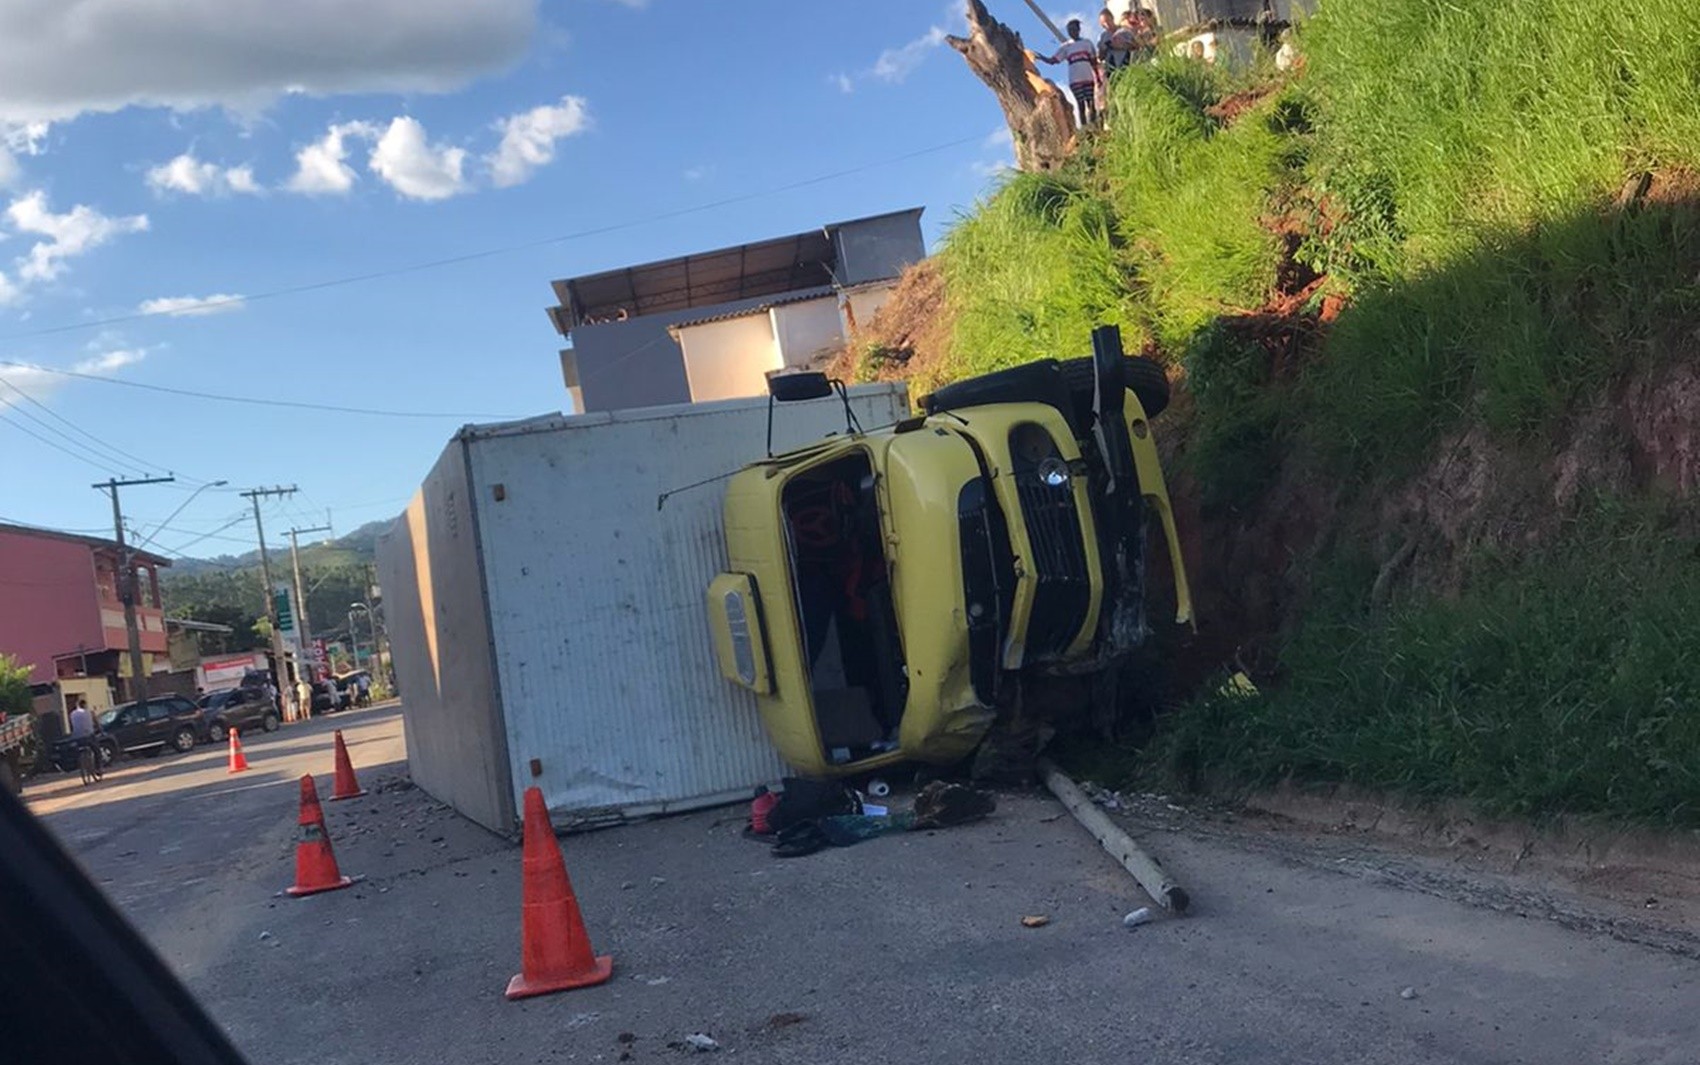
806 331
730 358
428 566
878 248
635 363
48 604
860 305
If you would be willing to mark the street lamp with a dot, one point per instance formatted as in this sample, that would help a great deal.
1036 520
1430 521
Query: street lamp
181 508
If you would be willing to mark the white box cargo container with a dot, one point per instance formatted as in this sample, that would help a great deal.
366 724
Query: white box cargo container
547 619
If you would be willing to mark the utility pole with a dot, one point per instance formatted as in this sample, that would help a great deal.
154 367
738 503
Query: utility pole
126 576
254 495
1046 19
301 625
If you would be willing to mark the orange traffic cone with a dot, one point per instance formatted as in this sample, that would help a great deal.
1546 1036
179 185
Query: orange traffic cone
555 952
315 864
347 787
238 761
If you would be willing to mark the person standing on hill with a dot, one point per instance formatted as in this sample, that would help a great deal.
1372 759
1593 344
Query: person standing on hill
1115 43
1082 59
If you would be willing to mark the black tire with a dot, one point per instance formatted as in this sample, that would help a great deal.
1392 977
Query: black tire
183 740
270 722
1033 382
1143 377
215 732
108 752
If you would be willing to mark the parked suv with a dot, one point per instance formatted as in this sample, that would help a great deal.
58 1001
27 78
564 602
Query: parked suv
243 709
152 725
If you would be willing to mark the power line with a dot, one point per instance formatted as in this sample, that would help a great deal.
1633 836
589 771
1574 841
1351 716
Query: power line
133 462
509 249
67 443
293 404
104 467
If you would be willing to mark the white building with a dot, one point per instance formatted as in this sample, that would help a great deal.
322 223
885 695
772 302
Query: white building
710 325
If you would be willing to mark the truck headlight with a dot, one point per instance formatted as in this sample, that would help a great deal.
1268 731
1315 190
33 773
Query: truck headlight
1053 471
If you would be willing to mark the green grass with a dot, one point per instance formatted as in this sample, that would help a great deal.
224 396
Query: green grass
1457 169
1566 680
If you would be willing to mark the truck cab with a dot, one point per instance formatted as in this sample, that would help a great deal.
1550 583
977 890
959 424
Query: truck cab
889 592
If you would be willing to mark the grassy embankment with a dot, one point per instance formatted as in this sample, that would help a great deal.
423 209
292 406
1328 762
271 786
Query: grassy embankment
1463 179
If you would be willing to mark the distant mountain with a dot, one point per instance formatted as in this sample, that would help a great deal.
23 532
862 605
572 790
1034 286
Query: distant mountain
359 546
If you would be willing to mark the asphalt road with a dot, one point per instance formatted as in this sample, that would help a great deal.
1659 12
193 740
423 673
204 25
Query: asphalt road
904 948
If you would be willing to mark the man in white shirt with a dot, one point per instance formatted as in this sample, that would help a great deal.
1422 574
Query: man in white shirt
1082 59
82 722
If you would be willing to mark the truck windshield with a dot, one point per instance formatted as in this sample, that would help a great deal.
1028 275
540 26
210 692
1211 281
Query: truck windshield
855 660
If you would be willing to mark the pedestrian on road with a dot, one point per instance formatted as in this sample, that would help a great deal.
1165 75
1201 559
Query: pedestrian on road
303 699
82 722
1082 59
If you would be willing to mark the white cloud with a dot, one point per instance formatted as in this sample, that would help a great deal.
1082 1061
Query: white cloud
320 167
196 177
896 64
23 138
413 166
110 361
191 306
697 173
58 59
999 138
80 229
105 358
528 139
842 81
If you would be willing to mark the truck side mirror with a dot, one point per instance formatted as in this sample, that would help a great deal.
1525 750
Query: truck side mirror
791 386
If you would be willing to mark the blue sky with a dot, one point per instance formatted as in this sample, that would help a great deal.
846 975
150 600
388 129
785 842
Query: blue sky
233 149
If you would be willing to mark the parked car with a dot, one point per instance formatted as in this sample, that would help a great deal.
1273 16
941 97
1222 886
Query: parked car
151 726
327 697
243 709
356 688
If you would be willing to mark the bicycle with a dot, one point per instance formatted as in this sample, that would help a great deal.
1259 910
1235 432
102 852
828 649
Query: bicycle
88 764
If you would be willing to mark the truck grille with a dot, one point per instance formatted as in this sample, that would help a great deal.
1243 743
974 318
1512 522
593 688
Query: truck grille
1059 563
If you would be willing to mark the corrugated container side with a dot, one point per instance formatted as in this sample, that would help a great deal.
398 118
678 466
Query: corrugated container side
434 606
604 660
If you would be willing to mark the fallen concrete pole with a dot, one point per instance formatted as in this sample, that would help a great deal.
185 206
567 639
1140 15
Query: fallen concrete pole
1168 894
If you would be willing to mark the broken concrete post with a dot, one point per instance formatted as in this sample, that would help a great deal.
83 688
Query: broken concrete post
1039 117
1167 894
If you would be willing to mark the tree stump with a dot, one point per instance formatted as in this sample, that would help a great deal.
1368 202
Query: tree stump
1039 115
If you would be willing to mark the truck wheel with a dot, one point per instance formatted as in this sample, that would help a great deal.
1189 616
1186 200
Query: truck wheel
1033 382
269 722
215 732
1144 377
183 740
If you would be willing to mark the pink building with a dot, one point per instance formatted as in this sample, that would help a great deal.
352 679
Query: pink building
59 600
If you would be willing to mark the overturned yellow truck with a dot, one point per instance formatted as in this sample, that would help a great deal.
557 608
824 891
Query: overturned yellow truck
889 591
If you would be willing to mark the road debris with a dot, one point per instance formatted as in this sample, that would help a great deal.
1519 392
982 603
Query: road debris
1114 839
1035 921
701 1042
1137 917
1408 994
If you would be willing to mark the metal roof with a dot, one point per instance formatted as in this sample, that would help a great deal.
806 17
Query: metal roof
822 292
91 541
763 268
